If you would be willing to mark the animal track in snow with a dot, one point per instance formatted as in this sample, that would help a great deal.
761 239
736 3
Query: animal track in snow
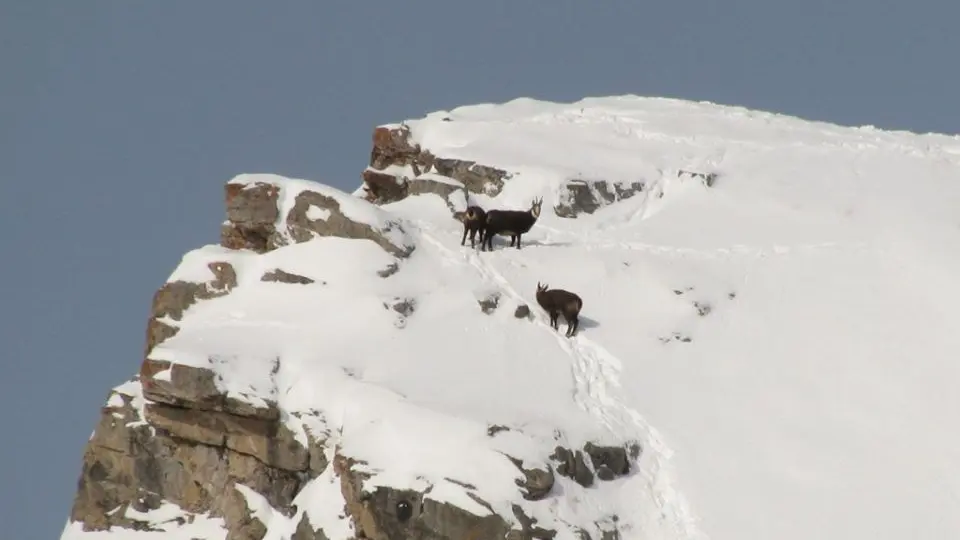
596 375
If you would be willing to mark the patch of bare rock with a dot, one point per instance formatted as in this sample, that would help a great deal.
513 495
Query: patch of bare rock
254 220
399 168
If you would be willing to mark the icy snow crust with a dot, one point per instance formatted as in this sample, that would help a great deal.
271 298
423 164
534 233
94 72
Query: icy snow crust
815 398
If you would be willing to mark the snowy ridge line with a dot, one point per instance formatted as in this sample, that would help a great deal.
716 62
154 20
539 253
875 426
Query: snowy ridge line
828 138
596 376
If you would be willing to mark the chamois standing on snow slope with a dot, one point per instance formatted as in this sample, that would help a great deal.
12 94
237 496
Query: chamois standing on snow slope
473 222
510 222
558 302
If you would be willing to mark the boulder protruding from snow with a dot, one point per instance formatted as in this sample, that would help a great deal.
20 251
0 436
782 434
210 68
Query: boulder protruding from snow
582 196
266 211
536 483
281 276
571 463
386 513
399 168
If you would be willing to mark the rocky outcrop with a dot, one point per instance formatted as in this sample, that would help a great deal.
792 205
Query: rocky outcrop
280 276
185 402
450 190
583 196
389 514
570 463
174 297
611 461
399 168
536 483
608 462
333 222
252 216
258 220
172 440
135 463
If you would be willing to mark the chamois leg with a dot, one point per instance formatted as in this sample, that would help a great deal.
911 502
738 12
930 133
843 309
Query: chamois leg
573 325
553 320
518 241
464 239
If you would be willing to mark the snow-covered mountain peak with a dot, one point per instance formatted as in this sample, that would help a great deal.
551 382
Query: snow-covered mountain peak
766 319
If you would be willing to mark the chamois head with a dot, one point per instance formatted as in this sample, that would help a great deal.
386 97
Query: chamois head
535 207
542 288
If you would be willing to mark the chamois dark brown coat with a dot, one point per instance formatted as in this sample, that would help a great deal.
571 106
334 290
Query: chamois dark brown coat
510 222
558 302
473 222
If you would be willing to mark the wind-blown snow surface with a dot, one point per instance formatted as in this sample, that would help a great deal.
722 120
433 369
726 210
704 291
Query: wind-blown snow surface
811 395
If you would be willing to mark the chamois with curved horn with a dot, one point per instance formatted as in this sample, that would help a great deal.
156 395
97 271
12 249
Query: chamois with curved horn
513 223
558 302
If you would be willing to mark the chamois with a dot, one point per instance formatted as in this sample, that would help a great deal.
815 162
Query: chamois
558 302
510 222
473 222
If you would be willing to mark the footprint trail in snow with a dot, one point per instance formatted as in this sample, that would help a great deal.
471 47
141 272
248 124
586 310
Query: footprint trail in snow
596 374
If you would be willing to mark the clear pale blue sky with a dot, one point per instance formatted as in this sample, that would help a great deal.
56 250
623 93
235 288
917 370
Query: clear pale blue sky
120 122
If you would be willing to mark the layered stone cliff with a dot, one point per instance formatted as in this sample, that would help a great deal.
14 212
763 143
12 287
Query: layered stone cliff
174 451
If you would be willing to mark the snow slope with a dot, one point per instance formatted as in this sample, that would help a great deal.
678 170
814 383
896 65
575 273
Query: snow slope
783 344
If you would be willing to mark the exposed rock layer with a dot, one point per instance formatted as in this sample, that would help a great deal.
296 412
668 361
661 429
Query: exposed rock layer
587 196
253 220
398 168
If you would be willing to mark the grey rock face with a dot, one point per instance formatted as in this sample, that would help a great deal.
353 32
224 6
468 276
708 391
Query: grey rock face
476 178
536 483
279 276
252 214
388 514
613 458
450 190
131 463
392 148
301 228
582 196
572 465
